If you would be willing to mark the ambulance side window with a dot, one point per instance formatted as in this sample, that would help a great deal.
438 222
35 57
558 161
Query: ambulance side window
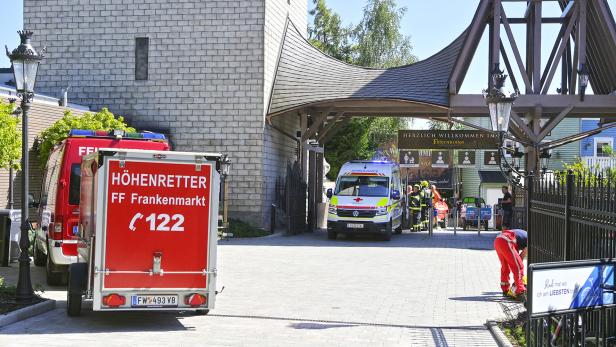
396 180
50 184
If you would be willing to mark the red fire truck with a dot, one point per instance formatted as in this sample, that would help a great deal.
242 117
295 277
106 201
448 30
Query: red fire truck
55 244
147 231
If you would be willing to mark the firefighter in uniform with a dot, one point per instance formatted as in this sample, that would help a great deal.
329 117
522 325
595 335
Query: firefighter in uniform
415 207
426 203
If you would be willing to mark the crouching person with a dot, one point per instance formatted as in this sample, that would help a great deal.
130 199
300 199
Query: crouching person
511 248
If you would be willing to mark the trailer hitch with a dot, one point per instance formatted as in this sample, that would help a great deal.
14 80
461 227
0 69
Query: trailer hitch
156 262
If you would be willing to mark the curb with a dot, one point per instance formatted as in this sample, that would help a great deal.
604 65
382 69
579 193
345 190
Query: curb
27 312
497 334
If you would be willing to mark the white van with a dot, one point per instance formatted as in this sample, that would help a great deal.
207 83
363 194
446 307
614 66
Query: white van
366 199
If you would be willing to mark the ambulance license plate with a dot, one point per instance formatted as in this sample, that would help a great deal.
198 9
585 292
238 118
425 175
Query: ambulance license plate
154 301
355 225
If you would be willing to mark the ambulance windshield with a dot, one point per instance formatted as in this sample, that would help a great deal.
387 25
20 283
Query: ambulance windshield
362 186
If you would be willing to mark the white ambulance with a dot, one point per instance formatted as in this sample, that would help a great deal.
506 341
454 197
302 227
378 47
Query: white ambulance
367 199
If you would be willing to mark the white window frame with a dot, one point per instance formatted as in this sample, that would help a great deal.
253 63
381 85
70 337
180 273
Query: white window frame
609 140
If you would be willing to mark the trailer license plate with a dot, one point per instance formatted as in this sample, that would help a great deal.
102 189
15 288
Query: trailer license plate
355 225
154 301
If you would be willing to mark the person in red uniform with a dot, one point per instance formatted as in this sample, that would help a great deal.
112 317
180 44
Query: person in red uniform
511 247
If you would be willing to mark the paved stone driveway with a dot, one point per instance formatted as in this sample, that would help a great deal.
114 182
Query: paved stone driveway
307 291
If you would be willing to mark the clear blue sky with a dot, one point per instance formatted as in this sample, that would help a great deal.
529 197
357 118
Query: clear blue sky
432 24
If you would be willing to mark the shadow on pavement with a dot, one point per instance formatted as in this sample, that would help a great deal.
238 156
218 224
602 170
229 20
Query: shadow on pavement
57 322
440 239
486 296
348 323
319 326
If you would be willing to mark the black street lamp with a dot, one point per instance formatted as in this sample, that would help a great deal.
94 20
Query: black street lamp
225 168
545 156
499 103
25 62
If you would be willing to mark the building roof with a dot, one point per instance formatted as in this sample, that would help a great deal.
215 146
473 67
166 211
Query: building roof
491 177
306 76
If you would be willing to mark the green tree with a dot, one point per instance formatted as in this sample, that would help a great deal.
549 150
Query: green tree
327 33
376 42
10 138
439 125
379 40
102 120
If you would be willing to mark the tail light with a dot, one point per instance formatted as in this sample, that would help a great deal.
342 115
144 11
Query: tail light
195 300
114 300
56 229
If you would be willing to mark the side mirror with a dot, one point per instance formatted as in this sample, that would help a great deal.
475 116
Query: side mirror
329 193
395 194
32 202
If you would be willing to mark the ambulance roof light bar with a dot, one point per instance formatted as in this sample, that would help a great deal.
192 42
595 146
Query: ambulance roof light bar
118 134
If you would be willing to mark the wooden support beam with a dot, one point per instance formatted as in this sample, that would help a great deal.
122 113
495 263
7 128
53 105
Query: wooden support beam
530 134
469 48
329 126
516 52
559 54
514 82
536 46
315 125
553 123
335 129
495 32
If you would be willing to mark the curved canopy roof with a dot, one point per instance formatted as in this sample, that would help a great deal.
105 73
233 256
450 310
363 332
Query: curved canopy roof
307 77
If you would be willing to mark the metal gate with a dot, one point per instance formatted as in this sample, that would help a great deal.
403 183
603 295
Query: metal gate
291 199
315 186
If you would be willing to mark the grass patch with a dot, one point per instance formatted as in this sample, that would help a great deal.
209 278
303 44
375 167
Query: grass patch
7 298
515 332
242 229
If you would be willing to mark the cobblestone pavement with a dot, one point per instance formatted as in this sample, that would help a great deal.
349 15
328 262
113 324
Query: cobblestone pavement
307 291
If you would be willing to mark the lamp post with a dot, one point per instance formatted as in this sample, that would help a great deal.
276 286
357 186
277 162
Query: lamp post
225 168
545 156
25 62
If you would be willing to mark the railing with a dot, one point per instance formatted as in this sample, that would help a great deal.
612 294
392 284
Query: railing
573 218
599 163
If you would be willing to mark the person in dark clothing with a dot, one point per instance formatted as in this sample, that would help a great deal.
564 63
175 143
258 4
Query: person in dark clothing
507 206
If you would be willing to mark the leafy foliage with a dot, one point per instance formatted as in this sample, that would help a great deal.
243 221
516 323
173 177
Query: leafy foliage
10 138
379 40
375 42
438 125
327 33
102 120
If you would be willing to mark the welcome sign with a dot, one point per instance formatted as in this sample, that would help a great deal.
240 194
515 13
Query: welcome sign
566 286
447 139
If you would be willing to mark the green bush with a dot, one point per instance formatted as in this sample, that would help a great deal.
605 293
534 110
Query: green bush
102 120
242 229
10 138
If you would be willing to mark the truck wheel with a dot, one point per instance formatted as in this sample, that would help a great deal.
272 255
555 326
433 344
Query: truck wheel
40 259
202 312
53 278
388 231
331 235
76 283
399 228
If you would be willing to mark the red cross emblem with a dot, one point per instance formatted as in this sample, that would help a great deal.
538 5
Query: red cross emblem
358 199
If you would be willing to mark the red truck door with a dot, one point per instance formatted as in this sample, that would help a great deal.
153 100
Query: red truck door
157 217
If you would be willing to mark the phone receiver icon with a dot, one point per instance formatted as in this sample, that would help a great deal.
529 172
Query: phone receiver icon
136 217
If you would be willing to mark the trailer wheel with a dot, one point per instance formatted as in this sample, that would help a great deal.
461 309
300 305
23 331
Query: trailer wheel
202 312
76 283
40 259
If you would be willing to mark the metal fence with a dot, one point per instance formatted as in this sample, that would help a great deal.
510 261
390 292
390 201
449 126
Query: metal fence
290 199
572 217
